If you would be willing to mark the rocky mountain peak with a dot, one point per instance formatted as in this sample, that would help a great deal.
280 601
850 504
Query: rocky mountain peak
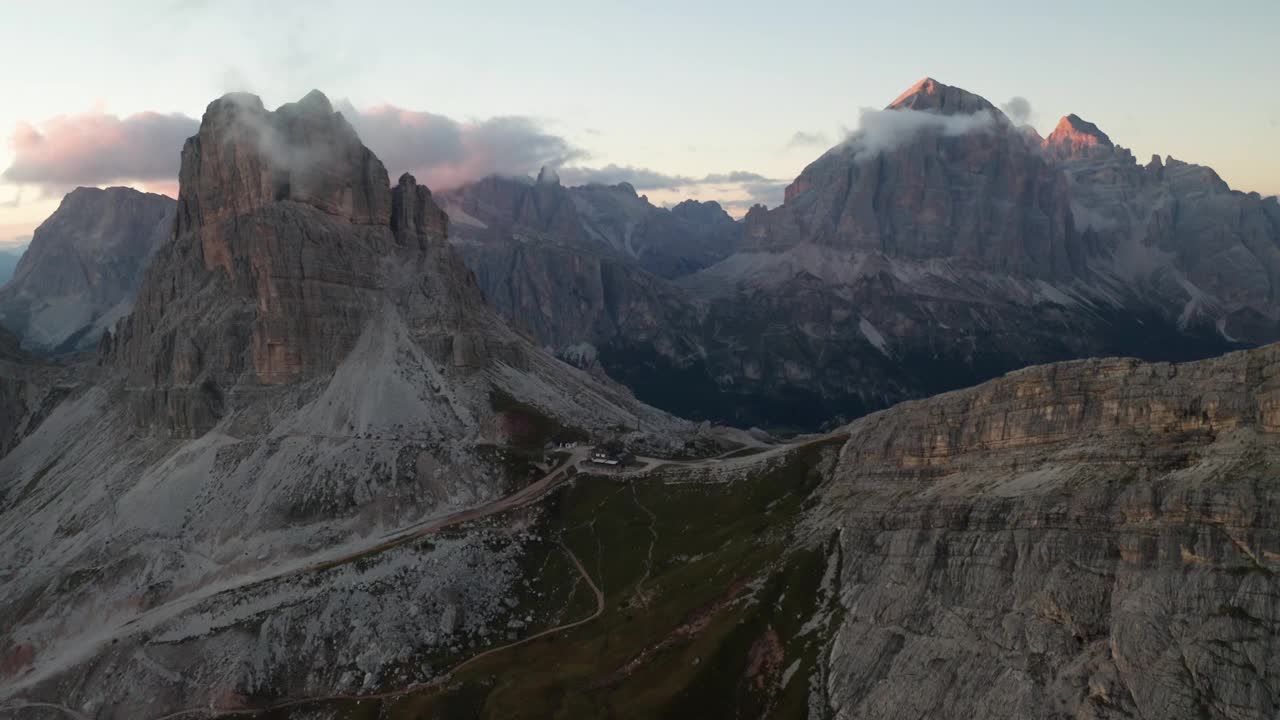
415 214
1074 136
702 213
84 265
932 96
246 157
286 222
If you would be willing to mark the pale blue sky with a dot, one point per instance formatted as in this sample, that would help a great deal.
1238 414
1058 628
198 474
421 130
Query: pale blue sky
684 88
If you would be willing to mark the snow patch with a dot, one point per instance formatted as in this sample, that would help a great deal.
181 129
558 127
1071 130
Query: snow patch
873 336
1222 330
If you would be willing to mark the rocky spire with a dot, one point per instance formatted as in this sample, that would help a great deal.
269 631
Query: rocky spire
1076 137
245 157
415 214
933 96
547 176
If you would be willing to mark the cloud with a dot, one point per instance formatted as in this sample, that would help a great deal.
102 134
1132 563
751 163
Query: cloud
638 177
737 176
1018 109
883 130
806 139
97 148
444 153
647 179
144 150
765 193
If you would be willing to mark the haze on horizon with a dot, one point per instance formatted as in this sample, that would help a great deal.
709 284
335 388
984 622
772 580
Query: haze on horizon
725 101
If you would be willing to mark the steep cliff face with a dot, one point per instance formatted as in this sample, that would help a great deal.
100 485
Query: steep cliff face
1095 539
309 370
29 390
586 269
83 267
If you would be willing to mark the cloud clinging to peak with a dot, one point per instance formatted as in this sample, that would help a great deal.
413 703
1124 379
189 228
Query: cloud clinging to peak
444 153
96 148
883 130
1018 109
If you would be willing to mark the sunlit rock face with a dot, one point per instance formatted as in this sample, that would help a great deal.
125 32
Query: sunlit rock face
1074 137
84 266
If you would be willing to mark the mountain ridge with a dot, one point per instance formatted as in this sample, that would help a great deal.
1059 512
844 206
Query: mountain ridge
79 274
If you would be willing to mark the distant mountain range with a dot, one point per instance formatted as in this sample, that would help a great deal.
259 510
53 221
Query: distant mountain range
939 246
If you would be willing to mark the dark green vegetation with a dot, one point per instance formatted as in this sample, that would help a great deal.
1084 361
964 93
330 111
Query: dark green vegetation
712 605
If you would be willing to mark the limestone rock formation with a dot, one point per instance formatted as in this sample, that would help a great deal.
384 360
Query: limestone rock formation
1094 539
83 267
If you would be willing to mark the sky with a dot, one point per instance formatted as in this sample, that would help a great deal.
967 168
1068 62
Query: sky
712 100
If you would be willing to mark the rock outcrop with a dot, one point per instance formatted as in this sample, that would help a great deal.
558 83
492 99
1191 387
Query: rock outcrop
1094 539
83 267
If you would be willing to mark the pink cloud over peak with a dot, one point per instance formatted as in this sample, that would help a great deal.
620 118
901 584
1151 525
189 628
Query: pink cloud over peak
96 148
